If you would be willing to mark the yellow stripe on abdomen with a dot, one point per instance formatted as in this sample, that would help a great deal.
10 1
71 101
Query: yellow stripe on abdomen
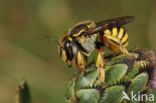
114 32
120 33
125 37
109 37
107 32
125 45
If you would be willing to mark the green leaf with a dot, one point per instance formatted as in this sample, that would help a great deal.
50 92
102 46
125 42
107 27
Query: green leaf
113 95
23 94
120 57
138 83
70 95
86 80
115 73
131 74
88 96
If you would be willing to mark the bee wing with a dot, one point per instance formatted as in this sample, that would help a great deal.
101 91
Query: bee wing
110 23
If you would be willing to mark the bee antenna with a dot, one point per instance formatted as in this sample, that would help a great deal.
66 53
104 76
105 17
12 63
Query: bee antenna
52 39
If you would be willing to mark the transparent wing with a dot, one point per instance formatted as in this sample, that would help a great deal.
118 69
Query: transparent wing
100 26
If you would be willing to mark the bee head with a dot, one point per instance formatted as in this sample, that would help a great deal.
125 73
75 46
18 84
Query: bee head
67 49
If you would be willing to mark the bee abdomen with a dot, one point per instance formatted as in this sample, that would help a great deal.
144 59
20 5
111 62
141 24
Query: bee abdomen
118 34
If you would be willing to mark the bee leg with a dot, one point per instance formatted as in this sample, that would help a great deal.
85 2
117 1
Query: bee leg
101 74
114 47
76 64
125 51
81 62
100 65
99 61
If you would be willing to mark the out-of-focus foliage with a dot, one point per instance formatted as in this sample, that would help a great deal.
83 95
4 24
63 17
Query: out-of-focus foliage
24 53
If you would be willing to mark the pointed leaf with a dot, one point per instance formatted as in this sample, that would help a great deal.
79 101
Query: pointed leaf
115 73
113 95
23 94
86 80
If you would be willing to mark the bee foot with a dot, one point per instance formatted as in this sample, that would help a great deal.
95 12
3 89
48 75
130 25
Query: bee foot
101 74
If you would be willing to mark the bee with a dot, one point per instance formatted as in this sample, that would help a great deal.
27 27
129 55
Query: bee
86 36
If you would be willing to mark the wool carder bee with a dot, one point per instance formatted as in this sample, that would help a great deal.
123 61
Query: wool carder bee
86 36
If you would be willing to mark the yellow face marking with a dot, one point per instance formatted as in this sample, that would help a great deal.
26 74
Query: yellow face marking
120 33
125 38
114 32
78 33
107 32
68 62
125 45
64 57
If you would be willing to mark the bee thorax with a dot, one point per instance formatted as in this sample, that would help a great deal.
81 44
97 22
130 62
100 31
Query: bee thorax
88 43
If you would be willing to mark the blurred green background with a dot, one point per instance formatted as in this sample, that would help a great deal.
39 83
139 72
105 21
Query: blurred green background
24 53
